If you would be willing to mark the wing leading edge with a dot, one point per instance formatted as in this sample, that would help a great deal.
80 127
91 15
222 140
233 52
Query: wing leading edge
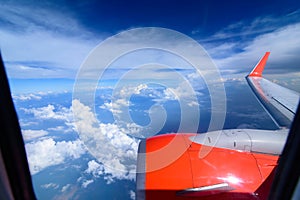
279 102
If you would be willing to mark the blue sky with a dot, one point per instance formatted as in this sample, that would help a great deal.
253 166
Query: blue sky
50 39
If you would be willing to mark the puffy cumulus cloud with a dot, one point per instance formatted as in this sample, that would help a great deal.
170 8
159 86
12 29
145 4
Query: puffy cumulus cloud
108 143
32 134
121 97
46 113
107 106
50 112
94 168
198 82
117 105
121 101
97 170
47 152
183 94
170 94
131 129
122 106
86 183
132 194
132 90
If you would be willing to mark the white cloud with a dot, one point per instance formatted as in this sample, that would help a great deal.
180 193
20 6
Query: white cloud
183 93
61 129
32 134
112 147
46 113
107 106
132 90
121 102
109 179
50 112
155 58
65 188
193 103
24 124
14 14
56 41
132 194
47 152
50 185
258 26
59 44
86 183
25 97
97 170
31 96
122 106
132 129
94 168
69 193
283 43
121 98
170 94
118 149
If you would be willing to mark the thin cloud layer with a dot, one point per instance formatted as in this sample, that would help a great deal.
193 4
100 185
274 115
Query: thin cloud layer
33 134
283 43
55 45
56 41
246 29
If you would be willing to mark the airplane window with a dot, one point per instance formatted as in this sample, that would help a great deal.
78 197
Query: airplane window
131 100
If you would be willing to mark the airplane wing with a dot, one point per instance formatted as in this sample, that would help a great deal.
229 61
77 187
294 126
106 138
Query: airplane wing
279 102
238 163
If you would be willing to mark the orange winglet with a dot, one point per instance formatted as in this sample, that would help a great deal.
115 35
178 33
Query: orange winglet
259 68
